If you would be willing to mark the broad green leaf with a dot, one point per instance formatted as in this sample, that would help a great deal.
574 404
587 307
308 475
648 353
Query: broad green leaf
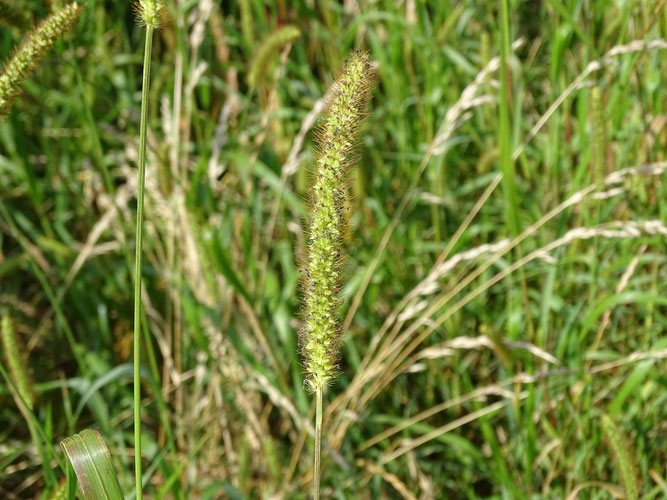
92 465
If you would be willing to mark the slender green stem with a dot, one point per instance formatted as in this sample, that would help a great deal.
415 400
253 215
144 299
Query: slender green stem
137 261
318 443
506 163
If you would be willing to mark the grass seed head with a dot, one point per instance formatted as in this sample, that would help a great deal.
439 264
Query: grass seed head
623 457
17 70
150 12
16 362
266 50
346 104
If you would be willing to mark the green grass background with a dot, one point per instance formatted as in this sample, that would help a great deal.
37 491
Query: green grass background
225 412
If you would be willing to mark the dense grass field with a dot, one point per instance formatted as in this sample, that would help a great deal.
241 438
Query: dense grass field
505 312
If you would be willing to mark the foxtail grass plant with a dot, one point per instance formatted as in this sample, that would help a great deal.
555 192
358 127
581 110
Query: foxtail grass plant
267 49
19 67
321 336
20 383
149 13
16 364
623 457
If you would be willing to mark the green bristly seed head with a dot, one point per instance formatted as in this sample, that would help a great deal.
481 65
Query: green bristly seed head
269 46
16 363
150 12
38 42
623 456
321 335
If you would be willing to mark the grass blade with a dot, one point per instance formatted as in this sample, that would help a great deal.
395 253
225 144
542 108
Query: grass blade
92 465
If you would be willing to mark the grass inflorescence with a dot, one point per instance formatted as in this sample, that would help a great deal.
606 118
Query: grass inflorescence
321 334
17 70
150 12
267 50
17 365
624 457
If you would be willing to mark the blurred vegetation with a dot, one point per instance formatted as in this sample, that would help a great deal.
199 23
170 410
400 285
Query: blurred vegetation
456 382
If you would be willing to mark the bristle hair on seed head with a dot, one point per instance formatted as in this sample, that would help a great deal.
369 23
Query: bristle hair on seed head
623 456
16 363
150 12
321 336
17 70
267 49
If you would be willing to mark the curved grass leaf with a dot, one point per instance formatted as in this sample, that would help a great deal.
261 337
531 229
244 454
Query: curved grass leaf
92 465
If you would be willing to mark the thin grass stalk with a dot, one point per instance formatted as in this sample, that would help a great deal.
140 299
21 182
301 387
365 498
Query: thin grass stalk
137 260
504 139
318 443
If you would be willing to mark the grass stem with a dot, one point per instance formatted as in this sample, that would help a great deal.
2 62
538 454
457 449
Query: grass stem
137 260
318 443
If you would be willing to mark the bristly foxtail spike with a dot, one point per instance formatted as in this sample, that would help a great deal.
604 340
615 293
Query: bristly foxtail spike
16 363
269 46
150 12
623 456
17 70
321 336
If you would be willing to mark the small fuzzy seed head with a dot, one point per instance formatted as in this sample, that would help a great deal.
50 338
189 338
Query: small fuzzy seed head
16 362
623 456
320 337
267 49
150 12
37 43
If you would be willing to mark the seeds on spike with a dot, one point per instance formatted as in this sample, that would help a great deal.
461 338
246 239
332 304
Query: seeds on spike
150 12
321 335
17 70
16 363
623 456
270 46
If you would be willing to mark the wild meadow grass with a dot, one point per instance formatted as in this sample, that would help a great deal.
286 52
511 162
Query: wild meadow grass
502 292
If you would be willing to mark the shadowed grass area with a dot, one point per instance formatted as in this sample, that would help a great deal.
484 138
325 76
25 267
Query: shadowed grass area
504 307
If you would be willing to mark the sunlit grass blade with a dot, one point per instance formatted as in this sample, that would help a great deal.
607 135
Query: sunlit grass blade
92 465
